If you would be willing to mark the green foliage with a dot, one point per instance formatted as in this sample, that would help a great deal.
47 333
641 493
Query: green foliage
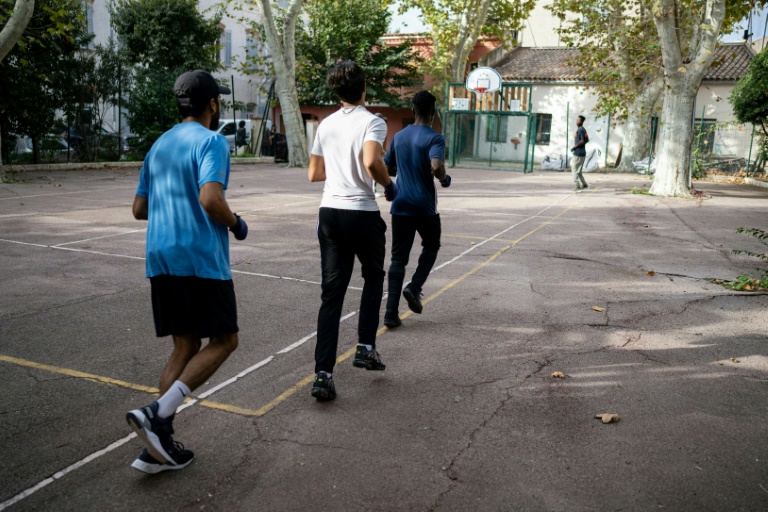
352 30
618 48
750 282
447 18
162 38
750 96
167 34
35 75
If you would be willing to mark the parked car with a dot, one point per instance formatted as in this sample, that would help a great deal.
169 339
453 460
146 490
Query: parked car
228 128
52 149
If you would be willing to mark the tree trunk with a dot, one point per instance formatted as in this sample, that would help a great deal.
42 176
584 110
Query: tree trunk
17 23
686 54
636 143
472 22
283 52
674 155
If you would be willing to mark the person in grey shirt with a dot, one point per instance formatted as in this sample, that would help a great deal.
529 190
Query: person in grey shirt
579 151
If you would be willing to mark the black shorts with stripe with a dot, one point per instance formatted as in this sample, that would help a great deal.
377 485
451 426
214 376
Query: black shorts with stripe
193 305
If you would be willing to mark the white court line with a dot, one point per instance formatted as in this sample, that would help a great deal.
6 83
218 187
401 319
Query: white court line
23 243
65 193
269 276
209 392
310 336
500 233
96 252
98 238
65 471
316 201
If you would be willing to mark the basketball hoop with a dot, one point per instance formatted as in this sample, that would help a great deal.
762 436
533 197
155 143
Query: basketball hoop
483 80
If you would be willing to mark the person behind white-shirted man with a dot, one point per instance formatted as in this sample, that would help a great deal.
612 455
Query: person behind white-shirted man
347 155
579 150
416 156
181 195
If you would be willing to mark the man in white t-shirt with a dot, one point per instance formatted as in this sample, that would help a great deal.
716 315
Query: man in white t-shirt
347 155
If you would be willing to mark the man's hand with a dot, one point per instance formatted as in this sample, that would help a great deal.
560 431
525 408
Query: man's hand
390 191
240 229
445 183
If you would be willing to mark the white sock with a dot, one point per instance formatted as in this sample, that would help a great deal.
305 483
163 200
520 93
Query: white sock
172 399
367 347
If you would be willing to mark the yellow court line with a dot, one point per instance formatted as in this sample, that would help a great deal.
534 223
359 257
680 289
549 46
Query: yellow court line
346 355
120 383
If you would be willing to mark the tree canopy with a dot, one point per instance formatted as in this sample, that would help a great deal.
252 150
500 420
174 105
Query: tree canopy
162 38
750 96
36 75
352 30
456 25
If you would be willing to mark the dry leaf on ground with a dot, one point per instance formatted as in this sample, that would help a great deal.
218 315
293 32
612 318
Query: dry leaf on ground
734 360
608 417
720 363
558 375
651 273
598 308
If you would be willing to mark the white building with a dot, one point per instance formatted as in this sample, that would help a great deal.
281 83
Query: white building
559 93
236 40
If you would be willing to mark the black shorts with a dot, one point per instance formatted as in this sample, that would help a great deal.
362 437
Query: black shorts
193 305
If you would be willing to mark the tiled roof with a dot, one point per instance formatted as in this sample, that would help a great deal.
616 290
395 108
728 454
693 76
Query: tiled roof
551 64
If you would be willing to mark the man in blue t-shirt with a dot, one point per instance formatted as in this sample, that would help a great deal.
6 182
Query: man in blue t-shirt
416 156
181 195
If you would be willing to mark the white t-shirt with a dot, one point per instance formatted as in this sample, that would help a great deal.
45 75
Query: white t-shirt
340 138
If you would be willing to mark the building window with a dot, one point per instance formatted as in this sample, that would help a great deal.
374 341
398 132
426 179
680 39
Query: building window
227 48
496 129
89 22
704 135
543 129
252 52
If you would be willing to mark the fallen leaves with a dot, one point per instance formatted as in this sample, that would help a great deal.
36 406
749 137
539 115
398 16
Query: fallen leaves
598 308
607 418
558 375
651 273
734 360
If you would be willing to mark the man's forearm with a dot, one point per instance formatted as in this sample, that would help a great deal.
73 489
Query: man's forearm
378 171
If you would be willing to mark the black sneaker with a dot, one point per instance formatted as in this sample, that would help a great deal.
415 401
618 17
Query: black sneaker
146 463
155 432
368 359
414 300
323 389
392 319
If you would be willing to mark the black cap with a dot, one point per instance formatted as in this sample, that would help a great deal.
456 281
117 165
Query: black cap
197 88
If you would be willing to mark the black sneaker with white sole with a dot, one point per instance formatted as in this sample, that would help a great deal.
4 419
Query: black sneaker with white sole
392 319
155 432
146 463
323 388
413 298
368 359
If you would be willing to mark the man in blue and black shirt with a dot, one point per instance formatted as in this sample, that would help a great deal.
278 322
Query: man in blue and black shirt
416 156
579 150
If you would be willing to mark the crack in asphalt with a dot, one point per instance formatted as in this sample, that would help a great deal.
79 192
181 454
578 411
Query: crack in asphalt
448 469
66 304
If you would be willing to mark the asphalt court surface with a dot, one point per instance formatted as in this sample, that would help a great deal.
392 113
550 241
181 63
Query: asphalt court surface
466 417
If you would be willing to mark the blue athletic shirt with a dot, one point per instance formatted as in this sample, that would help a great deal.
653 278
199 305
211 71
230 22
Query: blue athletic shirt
411 150
181 239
